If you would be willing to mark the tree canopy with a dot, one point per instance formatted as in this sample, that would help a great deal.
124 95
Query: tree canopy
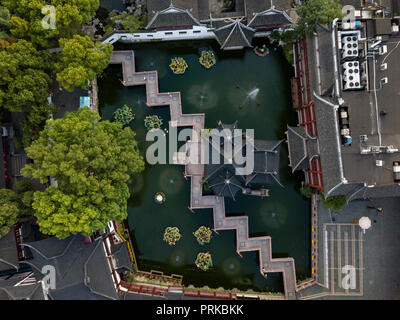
23 80
27 16
334 202
9 210
80 61
91 161
317 11
4 23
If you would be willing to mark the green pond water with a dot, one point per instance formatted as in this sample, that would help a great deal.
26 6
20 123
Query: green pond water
241 86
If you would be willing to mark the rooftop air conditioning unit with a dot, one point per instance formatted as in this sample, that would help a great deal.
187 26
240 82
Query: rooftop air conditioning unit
383 66
391 149
375 149
350 46
363 138
379 163
384 80
383 50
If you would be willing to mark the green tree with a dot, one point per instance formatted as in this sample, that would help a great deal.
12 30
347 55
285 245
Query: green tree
91 161
4 23
23 185
35 121
334 202
23 80
306 191
317 11
130 22
9 210
80 61
27 16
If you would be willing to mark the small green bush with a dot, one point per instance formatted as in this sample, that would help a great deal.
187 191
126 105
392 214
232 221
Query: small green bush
306 191
23 185
334 202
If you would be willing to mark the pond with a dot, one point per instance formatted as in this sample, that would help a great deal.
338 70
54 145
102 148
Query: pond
241 86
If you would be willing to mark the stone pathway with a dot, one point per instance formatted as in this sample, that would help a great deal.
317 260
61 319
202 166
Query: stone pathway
195 171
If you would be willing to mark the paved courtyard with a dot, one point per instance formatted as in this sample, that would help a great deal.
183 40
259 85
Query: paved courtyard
374 255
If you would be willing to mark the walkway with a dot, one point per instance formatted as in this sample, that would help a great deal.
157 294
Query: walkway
195 171
196 33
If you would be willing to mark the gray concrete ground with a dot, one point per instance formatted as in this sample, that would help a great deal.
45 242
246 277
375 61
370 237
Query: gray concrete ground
66 101
375 254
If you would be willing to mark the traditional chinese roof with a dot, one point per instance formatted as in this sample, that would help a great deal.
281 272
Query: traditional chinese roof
271 17
297 140
172 17
121 256
234 36
199 9
226 184
82 270
266 164
223 177
8 290
8 252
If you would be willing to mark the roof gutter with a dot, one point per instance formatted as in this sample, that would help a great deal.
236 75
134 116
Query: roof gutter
335 58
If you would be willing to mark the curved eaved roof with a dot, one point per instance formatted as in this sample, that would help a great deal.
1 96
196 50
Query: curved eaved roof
296 138
235 36
172 17
222 177
270 17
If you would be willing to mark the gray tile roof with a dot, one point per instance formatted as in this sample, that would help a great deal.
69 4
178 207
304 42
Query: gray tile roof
198 8
121 255
271 17
8 252
312 147
252 7
172 17
18 161
8 291
234 36
75 292
222 177
79 265
349 190
98 275
385 191
297 139
326 69
329 145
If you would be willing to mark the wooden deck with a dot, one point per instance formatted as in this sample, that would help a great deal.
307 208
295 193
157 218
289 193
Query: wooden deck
195 171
